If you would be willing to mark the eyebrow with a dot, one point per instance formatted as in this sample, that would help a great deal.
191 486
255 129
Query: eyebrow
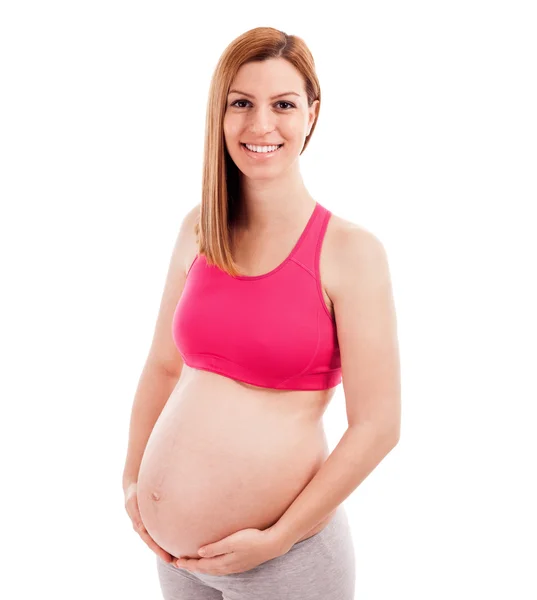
273 97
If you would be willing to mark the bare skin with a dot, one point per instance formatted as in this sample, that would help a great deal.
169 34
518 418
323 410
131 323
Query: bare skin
226 455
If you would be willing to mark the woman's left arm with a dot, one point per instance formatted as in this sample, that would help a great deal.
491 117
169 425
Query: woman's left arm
367 333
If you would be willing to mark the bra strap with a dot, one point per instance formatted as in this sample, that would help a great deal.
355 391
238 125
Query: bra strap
308 253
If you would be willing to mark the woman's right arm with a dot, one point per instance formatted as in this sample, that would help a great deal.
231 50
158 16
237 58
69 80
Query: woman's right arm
164 363
154 388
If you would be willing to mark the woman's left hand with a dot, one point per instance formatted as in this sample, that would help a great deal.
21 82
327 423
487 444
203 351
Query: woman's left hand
236 553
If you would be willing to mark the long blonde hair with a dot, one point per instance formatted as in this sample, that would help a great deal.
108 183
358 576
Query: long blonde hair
220 181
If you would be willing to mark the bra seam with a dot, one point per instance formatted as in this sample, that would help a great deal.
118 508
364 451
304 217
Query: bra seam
250 382
221 371
305 267
214 356
225 374
319 288
305 369
317 267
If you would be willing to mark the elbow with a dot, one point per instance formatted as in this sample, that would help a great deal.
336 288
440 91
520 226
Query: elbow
392 435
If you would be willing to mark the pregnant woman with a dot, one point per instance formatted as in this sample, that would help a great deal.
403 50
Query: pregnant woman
226 444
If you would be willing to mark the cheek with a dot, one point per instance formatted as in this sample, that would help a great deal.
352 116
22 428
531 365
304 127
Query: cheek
298 125
232 126
292 128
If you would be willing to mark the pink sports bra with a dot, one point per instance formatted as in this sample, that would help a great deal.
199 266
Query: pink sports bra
272 330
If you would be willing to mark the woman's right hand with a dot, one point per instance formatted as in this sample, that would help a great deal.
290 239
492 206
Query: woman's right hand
131 506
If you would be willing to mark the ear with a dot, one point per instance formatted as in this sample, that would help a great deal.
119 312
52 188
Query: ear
313 111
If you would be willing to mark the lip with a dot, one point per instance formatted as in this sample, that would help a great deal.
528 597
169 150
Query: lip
260 155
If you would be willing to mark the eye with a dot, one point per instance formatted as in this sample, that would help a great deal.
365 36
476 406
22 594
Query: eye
236 102
248 102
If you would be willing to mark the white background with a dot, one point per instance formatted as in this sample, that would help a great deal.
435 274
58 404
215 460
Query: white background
426 136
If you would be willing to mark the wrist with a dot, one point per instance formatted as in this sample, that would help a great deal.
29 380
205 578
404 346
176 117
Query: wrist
129 489
280 542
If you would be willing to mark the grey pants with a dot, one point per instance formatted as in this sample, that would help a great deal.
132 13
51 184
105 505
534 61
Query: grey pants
321 567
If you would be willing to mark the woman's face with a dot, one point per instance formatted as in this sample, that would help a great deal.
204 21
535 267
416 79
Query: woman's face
254 115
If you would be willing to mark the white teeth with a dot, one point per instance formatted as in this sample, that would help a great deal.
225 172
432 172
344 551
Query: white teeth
261 148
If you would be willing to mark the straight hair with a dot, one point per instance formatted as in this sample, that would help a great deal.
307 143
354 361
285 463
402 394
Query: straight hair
220 179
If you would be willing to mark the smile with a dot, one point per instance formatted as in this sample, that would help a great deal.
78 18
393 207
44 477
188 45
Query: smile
261 154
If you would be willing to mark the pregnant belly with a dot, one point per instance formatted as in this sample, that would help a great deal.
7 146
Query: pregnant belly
220 459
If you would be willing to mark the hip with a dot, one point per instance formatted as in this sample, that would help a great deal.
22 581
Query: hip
319 567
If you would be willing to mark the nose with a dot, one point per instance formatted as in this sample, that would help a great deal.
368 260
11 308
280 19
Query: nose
261 121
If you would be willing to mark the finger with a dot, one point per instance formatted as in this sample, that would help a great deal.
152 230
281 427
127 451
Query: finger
187 563
138 526
131 501
136 517
212 566
166 556
132 509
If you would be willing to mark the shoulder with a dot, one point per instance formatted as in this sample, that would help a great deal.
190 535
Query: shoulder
188 228
193 215
352 254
